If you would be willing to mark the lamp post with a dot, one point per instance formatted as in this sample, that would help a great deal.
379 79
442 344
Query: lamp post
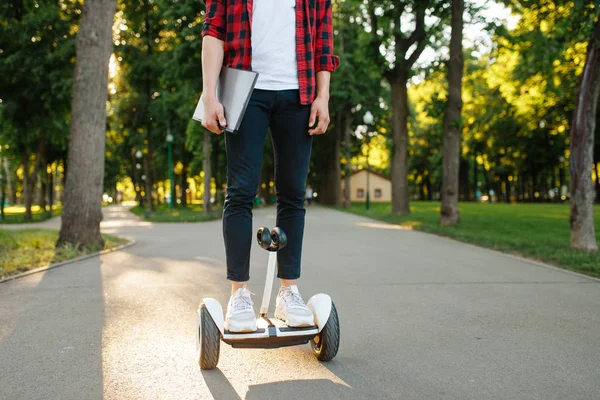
4 179
138 167
172 191
368 120
2 190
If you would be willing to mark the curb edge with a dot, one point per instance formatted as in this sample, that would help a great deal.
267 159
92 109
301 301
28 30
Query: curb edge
74 260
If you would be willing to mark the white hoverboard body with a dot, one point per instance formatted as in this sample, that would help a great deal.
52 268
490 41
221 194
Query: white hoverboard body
270 332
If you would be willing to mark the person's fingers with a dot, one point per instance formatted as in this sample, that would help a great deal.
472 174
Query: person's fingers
212 122
221 117
313 116
321 128
212 125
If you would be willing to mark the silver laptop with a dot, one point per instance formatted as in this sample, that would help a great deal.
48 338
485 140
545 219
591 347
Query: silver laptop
234 89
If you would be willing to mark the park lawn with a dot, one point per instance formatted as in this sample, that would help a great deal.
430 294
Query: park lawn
25 249
536 231
15 214
191 213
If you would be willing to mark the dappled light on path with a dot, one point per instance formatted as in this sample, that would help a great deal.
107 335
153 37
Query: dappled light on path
420 316
378 225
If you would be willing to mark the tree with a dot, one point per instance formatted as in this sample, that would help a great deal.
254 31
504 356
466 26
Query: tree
583 128
37 47
82 211
387 31
452 120
207 173
337 147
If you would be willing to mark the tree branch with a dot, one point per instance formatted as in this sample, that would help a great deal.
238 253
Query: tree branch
417 53
419 35
374 27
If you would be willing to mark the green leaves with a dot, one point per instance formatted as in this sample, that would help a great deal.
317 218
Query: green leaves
37 44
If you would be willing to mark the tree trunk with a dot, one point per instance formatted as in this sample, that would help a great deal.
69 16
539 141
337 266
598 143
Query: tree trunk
427 178
561 178
9 186
452 121
400 194
336 168
148 157
488 183
346 144
43 177
184 186
207 171
43 189
597 182
553 184
2 192
464 178
2 189
29 179
583 235
27 187
136 182
475 177
50 190
148 171
331 192
84 181
219 195
163 188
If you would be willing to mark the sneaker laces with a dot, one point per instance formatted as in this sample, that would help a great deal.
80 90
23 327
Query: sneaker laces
293 299
242 300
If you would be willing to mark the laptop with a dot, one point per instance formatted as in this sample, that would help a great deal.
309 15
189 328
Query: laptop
234 89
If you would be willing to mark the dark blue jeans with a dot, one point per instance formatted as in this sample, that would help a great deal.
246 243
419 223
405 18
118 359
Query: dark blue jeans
287 119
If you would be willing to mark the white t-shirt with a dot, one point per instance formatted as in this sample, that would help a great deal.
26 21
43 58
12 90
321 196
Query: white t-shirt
274 44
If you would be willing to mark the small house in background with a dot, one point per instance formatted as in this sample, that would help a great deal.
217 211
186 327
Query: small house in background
380 186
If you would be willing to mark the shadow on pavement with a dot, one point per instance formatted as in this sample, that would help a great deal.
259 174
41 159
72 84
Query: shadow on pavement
51 334
221 389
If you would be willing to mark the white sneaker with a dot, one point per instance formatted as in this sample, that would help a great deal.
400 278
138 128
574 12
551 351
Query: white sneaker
290 308
240 315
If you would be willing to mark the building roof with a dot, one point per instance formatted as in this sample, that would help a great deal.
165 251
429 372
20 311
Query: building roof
370 171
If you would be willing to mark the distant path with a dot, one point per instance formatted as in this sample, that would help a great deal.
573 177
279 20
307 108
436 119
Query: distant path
422 317
51 223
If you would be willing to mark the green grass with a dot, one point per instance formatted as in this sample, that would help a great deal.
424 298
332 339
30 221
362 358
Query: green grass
537 231
191 213
16 214
25 249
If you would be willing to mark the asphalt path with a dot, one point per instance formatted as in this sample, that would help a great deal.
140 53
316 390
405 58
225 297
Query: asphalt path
422 317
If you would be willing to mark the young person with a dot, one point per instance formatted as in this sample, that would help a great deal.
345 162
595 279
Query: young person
290 44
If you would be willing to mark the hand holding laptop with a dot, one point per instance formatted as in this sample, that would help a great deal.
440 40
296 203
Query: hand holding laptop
225 111
214 115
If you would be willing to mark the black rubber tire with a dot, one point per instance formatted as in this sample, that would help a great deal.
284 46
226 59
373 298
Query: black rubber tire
279 238
264 237
327 341
210 340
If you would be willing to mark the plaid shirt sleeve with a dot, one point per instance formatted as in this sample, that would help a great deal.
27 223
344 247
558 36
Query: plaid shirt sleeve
215 19
325 59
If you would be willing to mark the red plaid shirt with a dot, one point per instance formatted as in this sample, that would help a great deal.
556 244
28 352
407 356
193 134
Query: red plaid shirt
231 21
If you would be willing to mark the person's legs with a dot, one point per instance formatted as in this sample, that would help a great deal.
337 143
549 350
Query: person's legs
292 147
244 151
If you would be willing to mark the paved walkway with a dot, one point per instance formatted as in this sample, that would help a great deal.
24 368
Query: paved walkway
422 317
